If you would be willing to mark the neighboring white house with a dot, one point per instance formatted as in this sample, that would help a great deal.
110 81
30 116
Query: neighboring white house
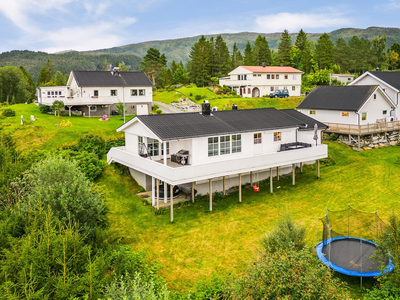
389 81
352 105
343 78
257 81
220 149
96 93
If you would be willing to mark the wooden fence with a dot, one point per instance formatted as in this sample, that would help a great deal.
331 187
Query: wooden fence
363 129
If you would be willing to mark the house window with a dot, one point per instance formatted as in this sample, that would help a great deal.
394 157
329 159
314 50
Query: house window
348 79
48 93
93 108
140 145
96 93
162 149
153 147
142 92
225 146
268 76
384 112
236 143
238 77
345 114
272 89
293 88
312 112
52 93
364 116
273 76
245 77
244 90
133 92
257 138
277 76
277 136
254 75
374 96
294 77
213 146
286 76
113 93
259 75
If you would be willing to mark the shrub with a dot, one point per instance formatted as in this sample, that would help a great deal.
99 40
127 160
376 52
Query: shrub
158 111
44 109
286 235
92 143
197 97
58 184
288 274
334 137
190 94
155 107
115 142
8 112
58 106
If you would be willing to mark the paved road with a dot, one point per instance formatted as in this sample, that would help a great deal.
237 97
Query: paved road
167 109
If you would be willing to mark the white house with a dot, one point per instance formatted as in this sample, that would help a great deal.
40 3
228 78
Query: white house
352 105
343 78
96 92
389 81
212 151
257 81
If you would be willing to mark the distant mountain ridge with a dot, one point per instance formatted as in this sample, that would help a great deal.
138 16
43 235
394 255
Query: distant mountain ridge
174 49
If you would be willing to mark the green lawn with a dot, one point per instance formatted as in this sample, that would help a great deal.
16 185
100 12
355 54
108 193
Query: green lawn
199 243
46 131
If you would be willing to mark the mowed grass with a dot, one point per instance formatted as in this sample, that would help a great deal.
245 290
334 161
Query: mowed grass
199 243
46 132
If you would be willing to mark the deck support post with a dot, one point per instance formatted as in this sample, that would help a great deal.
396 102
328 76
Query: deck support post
210 192
359 142
240 187
69 108
301 167
153 192
251 178
193 192
158 194
224 185
318 166
271 187
277 173
172 202
165 193
293 174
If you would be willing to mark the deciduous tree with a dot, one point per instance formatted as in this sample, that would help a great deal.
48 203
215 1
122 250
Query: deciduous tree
13 85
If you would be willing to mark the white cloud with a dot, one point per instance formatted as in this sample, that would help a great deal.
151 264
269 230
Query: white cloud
296 21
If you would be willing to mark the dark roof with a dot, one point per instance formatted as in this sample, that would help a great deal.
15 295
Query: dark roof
347 98
191 125
310 122
390 77
106 79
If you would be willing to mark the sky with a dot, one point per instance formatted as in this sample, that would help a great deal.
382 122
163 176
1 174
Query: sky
57 25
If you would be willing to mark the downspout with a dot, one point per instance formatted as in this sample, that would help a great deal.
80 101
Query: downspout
358 118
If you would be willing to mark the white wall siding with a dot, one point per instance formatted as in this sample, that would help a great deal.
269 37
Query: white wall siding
332 116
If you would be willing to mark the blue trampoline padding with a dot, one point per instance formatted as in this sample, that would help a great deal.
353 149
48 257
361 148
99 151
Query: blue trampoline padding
321 256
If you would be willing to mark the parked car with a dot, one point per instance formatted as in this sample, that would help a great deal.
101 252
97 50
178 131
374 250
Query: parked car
280 94
176 191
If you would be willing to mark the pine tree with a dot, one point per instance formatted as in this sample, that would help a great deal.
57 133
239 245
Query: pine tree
152 64
236 58
199 66
221 58
261 51
301 40
306 62
248 58
59 79
180 75
30 85
379 52
46 74
341 54
324 52
285 44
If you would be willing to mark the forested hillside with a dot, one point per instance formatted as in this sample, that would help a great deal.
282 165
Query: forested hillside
33 61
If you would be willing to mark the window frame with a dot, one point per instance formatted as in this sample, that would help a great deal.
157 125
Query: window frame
224 145
236 144
363 116
153 147
257 138
114 93
134 92
277 136
313 112
214 150
142 92
345 114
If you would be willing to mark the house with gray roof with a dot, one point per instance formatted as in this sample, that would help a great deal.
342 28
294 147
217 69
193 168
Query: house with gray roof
215 150
95 93
349 105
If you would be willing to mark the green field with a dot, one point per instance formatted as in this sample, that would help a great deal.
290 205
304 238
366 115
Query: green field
199 243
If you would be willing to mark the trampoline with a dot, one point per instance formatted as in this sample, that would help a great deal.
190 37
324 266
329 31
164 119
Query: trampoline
347 244
352 256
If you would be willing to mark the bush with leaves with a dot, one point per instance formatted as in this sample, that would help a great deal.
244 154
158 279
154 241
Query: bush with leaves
58 184
92 143
8 112
44 109
58 106
285 235
115 142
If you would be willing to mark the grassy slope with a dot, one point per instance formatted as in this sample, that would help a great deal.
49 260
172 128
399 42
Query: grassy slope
199 243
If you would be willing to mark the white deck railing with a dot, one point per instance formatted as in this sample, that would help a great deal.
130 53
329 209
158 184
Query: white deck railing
189 173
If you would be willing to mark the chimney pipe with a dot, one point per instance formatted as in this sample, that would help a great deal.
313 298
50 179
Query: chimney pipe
263 64
206 108
234 106
377 69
